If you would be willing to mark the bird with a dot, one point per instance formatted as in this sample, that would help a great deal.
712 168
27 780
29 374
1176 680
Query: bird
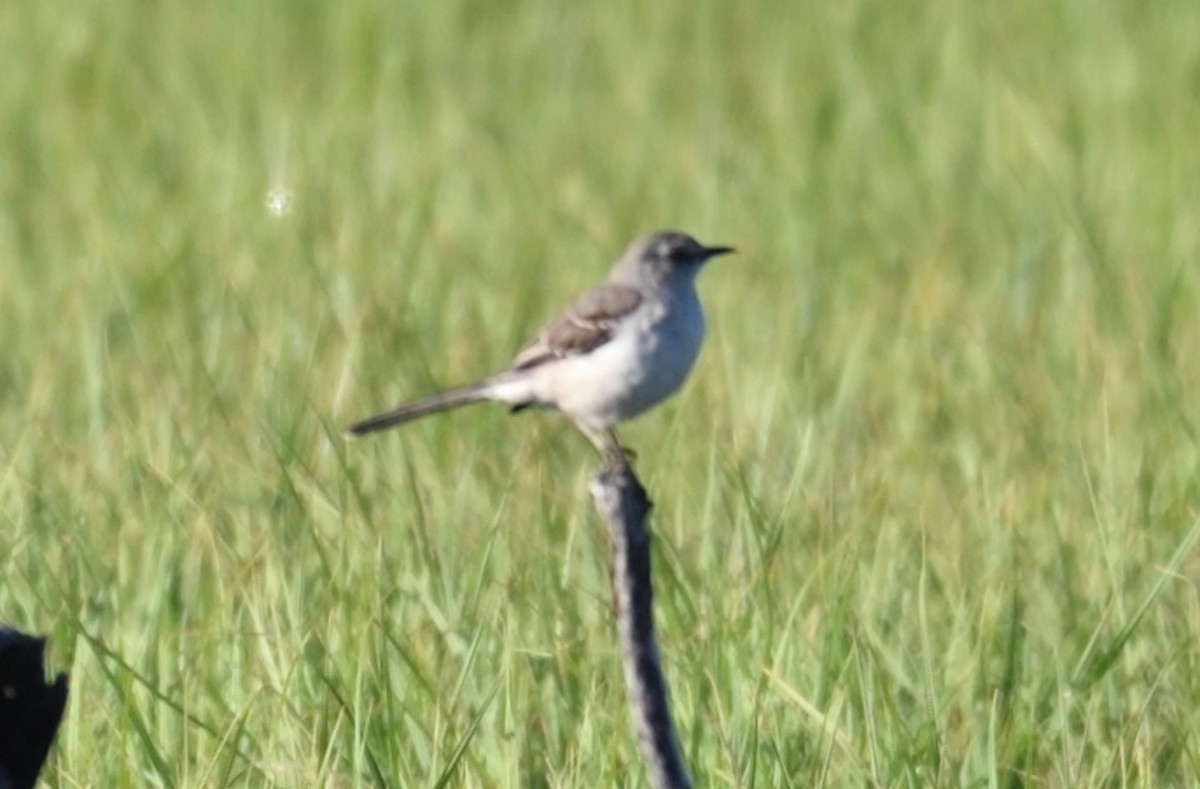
615 352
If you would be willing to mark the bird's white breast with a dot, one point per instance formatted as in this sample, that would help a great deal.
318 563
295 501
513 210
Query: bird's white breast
647 359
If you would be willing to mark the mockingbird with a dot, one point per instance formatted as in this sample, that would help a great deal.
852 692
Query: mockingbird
620 349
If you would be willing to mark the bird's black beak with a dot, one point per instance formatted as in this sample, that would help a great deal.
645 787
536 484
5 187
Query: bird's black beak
712 252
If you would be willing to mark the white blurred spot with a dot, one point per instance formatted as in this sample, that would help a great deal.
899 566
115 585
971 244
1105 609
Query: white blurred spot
279 200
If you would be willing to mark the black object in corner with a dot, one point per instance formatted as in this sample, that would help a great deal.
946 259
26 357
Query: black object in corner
30 710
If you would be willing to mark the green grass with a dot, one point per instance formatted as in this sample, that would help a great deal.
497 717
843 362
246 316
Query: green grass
926 513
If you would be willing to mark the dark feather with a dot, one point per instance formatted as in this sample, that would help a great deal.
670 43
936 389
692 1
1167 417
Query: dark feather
585 326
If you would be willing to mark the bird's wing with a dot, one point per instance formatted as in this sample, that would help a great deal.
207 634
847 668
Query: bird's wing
585 326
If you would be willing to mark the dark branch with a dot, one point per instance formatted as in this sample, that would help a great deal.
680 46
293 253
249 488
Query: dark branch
622 502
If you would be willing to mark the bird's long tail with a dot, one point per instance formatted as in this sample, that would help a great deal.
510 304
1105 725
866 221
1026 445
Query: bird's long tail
443 401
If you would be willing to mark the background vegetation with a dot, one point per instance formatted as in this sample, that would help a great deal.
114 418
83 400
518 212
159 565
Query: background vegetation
926 512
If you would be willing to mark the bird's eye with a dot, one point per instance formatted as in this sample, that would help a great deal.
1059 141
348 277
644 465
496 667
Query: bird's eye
677 252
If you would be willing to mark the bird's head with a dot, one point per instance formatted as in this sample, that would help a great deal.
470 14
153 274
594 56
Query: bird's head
670 252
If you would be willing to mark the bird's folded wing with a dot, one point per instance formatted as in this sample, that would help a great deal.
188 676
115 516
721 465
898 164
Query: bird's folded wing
585 326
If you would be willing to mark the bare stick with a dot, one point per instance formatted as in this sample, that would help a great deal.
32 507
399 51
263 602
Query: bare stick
622 502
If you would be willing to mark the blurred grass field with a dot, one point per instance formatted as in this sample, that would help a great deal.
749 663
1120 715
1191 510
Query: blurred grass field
926 512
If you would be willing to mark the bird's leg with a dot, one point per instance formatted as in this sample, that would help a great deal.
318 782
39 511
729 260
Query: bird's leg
598 440
608 445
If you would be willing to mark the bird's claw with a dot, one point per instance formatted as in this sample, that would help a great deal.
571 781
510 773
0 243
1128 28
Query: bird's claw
617 456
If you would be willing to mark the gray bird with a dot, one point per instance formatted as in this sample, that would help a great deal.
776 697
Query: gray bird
618 350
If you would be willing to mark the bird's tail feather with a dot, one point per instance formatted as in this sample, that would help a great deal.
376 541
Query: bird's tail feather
443 401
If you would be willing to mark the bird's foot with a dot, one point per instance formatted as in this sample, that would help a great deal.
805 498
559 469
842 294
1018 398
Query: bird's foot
616 457
616 454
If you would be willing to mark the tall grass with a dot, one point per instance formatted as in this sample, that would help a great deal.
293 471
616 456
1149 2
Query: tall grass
926 514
